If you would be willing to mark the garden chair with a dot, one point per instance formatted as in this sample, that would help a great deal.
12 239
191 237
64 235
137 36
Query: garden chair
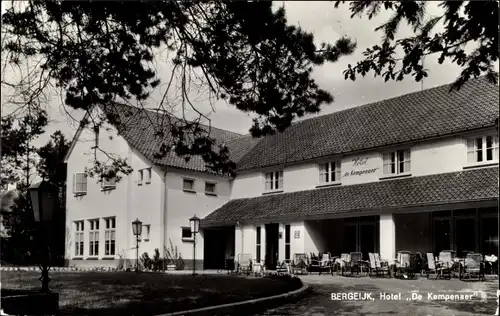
417 261
356 262
473 266
381 265
320 264
453 253
245 263
404 268
436 267
345 262
373 265
446 262
300 263
326 262
284 267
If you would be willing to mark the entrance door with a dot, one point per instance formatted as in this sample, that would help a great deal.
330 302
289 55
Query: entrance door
367 239
350 238
465 235
272 246
442 235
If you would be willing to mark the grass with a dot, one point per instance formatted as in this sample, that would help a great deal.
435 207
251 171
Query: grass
127 293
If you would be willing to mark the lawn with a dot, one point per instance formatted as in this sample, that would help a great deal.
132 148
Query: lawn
128 293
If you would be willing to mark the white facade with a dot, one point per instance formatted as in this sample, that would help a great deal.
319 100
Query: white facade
166 206
440 155
162 204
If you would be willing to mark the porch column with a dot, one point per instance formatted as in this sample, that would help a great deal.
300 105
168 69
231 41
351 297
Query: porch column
238 241
263 243
387 237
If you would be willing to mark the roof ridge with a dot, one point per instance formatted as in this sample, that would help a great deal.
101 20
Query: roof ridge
384 100
157 111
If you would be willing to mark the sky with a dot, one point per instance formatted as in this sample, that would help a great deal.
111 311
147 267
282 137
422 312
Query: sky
327 24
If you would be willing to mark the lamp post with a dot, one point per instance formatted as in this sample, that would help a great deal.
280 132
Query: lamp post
137 230
42 196
194 223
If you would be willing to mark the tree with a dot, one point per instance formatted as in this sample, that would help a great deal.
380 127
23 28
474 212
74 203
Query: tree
18 152
19 220
465 22
244 52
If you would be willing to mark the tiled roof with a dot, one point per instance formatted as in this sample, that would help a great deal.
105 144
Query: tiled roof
470 185
140 129
414 116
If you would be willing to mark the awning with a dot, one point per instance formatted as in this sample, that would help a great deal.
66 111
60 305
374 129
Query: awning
385 196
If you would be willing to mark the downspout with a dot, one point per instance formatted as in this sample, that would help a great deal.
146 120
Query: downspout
163 216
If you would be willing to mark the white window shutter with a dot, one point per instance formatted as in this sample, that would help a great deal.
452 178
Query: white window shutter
74 183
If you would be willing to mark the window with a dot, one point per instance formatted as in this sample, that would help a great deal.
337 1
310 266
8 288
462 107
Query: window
258 243
188 185
109 236
274 181
186 233
287 242
94 237
108 181
329 172
147 175
140 177
79 183
146 230
210 188
397 162
482 149
79 238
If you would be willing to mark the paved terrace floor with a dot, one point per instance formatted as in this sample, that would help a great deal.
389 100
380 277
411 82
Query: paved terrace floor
319 301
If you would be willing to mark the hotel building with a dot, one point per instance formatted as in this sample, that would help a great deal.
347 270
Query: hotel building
418 172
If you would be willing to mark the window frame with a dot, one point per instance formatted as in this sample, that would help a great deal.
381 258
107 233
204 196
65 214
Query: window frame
396 162
484 149
140 176
75 183
93 232
146 232
110 236
193 181
79 238
191 238
337 172
149 174
275 178
215 188
108 184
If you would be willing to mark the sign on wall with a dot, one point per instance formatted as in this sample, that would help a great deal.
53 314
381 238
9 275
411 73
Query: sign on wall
296 234
361 169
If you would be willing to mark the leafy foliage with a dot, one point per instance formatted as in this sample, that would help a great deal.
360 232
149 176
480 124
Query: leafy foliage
465 22
19 221
246 53
173 256
18 152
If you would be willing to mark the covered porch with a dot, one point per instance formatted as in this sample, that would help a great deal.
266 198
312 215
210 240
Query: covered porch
451 211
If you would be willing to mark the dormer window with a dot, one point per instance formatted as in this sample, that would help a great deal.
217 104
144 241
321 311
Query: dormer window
397 162
482 149
274 181
329 172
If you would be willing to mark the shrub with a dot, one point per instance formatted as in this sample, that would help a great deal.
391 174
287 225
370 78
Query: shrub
121 262
172 256
146 261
